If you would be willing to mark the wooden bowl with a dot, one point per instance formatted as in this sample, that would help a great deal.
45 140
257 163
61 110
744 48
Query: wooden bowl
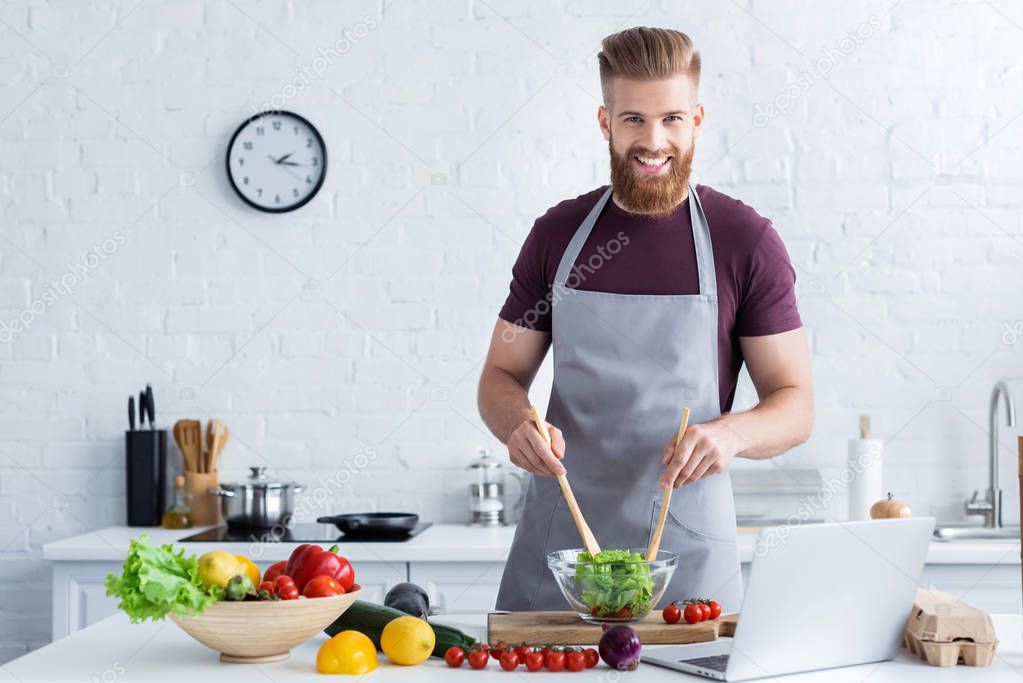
263 631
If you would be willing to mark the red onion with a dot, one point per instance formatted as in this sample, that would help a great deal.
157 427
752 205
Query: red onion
619 648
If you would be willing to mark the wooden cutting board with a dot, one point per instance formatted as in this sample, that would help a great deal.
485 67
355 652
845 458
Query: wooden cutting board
566 628
726 624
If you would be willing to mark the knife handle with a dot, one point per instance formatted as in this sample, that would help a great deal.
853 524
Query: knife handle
150 406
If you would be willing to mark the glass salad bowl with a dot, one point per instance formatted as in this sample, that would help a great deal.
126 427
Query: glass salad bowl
617 586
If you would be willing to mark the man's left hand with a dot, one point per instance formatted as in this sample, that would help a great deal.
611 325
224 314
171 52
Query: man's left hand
705 449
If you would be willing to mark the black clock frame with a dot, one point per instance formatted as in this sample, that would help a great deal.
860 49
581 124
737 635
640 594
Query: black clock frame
316 188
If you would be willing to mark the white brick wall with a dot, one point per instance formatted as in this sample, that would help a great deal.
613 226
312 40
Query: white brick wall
360 321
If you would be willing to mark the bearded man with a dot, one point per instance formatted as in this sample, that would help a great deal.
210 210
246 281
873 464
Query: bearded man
653 293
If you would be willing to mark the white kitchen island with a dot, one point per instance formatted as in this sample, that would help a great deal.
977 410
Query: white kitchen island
461 566
116 650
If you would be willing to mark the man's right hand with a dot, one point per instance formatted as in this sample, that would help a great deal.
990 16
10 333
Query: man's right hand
529 450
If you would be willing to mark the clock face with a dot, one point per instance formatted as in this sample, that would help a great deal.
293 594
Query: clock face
276 161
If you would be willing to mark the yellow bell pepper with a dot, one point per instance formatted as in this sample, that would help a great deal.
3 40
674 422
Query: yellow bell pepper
349 652
249 568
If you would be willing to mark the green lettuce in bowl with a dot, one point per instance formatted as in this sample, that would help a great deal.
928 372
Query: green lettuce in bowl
156 581
615 583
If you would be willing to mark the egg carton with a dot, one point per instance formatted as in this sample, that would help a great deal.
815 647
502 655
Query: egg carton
946 631
950 654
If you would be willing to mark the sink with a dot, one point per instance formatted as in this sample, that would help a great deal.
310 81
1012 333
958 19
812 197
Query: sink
962 533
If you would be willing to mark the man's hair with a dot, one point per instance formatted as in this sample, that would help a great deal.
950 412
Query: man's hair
643 53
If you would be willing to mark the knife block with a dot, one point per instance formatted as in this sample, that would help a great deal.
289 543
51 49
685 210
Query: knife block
205 507
145 452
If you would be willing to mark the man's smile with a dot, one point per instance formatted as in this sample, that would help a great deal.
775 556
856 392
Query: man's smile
652 165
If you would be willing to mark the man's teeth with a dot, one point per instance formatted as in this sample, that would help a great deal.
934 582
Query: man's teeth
650 161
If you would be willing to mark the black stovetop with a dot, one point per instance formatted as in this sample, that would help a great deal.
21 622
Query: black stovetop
299 533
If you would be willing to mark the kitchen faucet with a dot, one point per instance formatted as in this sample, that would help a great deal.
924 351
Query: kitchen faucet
991 505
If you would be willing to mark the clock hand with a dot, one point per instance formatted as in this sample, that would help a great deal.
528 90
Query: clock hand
292 174
282 159
289 163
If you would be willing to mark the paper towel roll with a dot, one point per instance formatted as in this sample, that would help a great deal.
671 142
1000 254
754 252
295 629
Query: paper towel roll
866 486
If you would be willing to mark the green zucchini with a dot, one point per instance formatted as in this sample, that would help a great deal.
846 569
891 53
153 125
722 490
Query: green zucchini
369 619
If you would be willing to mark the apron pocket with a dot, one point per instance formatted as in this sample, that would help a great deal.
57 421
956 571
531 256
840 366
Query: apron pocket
704 529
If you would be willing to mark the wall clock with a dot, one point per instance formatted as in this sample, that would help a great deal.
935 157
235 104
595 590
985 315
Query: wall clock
276 161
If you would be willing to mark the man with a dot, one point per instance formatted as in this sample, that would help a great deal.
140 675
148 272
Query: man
653 293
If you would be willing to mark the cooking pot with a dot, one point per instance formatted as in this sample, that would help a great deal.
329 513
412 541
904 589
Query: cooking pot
256 502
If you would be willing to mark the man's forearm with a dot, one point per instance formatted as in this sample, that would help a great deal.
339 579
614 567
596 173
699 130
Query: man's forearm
781 420
503 402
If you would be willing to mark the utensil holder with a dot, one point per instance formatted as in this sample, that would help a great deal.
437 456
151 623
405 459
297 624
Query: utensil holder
145 452
205 507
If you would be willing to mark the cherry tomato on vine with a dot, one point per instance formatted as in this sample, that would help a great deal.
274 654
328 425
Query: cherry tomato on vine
575 661
555 660
693 614
454 656
509 660
478 658
671 614
535 661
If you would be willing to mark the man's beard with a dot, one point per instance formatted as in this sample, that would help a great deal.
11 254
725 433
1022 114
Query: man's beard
655 196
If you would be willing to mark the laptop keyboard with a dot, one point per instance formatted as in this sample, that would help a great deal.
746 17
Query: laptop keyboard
715 662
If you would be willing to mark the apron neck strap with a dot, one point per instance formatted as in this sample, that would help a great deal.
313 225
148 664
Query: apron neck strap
579 239
701 242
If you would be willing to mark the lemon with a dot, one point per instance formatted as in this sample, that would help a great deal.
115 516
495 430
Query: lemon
407 640
217 567
349 652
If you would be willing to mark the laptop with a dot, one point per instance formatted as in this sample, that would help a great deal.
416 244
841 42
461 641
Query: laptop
819 596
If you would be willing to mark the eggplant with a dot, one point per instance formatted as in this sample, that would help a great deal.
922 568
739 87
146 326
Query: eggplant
409 598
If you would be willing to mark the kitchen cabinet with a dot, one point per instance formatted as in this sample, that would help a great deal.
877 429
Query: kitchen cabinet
376 578
992 588
459 585
79 596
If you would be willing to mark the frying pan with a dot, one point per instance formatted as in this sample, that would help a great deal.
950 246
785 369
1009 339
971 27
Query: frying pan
373 523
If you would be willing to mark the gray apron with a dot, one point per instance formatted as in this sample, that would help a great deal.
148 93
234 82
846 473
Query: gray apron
624 366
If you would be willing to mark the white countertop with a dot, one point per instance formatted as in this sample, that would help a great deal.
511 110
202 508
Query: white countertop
439 543
115 650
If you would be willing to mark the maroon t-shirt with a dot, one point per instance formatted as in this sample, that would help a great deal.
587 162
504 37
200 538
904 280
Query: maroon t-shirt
756 282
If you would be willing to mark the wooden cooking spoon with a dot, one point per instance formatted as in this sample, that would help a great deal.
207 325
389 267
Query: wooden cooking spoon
589 540
216 439
655 540
188 435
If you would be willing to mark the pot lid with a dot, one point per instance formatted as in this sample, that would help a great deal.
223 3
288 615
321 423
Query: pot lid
257 479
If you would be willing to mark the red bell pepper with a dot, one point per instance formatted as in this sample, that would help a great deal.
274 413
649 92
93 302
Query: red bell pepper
308 561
